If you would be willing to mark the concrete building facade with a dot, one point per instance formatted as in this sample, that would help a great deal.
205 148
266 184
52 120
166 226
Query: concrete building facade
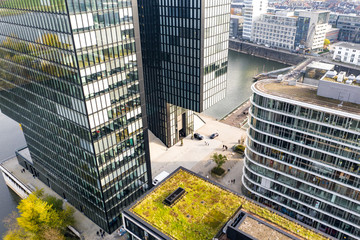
302 156
318 27
252 12
347 52
291 30
275 30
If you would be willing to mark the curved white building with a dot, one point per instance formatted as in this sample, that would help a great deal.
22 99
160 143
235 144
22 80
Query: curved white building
303 156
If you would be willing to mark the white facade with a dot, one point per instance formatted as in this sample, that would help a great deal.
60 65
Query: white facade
216 44
275 30
252 12
317 28
347 52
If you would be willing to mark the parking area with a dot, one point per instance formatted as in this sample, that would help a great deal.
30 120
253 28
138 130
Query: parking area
196 154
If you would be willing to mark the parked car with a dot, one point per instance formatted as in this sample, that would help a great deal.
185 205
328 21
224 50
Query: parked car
198 136
160 177
214 135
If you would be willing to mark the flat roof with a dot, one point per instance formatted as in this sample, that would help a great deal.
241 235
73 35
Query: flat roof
348 45
321 65
199 214
256 229
305 94
26 154
203 210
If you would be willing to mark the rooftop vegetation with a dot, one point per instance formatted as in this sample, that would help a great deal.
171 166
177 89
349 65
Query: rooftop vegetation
203 210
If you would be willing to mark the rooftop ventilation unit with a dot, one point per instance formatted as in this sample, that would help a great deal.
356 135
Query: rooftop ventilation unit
351 77
331 74
171 199
341 76
358 79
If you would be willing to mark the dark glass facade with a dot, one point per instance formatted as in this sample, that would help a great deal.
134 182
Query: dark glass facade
184 46
69 74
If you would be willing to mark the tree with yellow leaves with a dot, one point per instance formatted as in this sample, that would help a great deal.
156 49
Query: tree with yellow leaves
40 218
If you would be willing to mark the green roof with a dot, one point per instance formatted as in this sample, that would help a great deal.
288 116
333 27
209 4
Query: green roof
199 214
203 210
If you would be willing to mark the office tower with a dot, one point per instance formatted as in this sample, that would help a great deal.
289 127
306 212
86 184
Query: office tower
185 48
302 155
69 75
252 11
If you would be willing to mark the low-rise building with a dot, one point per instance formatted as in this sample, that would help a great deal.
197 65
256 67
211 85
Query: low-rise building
347 52
236 26
332 34
317 27
276 30
349 26
188 206
292 30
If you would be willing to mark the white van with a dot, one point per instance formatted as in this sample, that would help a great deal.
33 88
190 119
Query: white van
160 177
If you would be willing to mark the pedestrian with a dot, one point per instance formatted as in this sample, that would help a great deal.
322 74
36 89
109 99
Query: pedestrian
228 169
234 180
97 233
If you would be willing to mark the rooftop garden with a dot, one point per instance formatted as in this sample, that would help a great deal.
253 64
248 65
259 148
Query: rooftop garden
203 210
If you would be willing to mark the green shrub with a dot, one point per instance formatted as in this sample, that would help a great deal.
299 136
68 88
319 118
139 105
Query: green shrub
218 171
239 149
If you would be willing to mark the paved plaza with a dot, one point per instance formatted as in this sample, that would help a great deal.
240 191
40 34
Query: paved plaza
196 155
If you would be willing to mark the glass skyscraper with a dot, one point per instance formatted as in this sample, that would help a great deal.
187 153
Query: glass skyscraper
185 50
70 74
302 155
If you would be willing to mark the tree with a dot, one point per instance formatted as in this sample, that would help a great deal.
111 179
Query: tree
326 42
40 217
219 159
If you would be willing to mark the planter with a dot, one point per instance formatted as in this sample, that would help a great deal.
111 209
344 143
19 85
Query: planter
216 175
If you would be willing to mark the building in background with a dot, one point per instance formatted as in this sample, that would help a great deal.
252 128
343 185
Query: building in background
252 12
318 26
302 155
278 30
349 28
185 57
237 8
236 26
332 34
347 52
291 30
70 74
